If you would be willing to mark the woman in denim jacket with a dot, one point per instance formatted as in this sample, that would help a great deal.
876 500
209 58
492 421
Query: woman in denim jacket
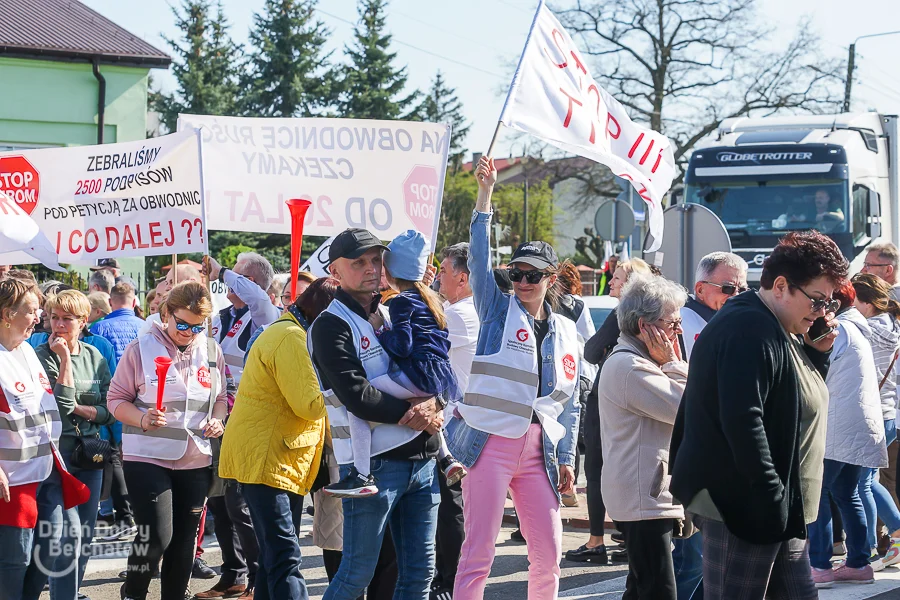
518 422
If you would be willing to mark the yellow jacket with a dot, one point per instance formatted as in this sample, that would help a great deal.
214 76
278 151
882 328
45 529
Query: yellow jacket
277 428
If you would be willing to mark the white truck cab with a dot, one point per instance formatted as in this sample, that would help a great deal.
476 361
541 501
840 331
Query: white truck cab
765 177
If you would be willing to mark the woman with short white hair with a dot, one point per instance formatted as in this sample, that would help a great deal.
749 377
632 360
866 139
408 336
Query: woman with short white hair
639 392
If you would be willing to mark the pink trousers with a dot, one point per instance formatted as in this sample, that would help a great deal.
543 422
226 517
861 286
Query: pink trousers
517 465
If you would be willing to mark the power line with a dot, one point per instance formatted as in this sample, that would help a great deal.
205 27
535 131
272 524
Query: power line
517 7
423 50
447 31
881 92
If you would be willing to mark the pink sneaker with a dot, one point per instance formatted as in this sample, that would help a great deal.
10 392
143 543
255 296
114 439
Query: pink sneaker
823 578
845 574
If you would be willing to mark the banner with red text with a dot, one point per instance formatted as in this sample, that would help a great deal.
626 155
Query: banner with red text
384 176
114 200
554 97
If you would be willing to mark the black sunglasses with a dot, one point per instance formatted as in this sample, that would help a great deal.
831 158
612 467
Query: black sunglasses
517 275
729 289
829 304
182 326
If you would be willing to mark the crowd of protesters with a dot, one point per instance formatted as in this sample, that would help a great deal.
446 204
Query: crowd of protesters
738 439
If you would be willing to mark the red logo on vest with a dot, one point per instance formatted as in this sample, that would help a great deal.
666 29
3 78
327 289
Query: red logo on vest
203 377
20 387
215 331
569 366
364 342
522 335
234 329
45 382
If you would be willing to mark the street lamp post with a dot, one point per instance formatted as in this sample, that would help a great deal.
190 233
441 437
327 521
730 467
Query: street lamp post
851 60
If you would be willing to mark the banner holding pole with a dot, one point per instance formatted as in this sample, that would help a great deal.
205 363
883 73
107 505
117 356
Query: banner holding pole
116 200
385 176
554 97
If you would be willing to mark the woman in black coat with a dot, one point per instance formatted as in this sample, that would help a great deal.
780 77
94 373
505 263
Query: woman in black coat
748 447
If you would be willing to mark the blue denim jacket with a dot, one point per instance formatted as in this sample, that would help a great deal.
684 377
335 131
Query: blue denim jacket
465 442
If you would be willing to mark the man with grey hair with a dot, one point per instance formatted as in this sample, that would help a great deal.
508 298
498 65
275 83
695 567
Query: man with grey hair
463 326
719 276
883 260
101 281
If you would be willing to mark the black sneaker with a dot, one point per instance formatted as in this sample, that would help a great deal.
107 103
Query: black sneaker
618 538
121 529
517 536
588 555
201 570
353 485
452 469
441 593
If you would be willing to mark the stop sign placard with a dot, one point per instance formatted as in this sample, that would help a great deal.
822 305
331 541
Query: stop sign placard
420 192
21 182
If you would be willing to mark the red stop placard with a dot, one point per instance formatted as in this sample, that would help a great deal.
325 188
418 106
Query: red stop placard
420 193
21 182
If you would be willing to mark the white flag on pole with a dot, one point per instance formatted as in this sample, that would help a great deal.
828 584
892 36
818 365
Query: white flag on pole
554 97
20 234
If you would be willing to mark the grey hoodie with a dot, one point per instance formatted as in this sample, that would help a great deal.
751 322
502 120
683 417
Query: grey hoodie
885 339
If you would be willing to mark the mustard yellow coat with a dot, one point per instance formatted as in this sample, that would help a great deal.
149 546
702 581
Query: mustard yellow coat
276 430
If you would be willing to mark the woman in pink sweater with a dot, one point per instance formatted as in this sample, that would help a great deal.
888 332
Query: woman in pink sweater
167 453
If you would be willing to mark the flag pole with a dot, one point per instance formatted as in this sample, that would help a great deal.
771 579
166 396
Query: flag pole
515 80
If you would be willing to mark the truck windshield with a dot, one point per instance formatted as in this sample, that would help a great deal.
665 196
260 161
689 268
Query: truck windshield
761 206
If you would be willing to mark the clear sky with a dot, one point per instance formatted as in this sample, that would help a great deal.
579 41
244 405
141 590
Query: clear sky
476 43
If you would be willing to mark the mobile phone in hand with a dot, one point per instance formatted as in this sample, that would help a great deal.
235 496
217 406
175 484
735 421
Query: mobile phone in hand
819 330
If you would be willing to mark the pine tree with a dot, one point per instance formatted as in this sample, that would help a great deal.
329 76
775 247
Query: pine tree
289 73
371 86
442 106
206 65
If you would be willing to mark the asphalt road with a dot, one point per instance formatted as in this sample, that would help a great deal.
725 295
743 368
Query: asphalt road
509 576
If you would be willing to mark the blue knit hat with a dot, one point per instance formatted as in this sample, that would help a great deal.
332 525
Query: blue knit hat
408 256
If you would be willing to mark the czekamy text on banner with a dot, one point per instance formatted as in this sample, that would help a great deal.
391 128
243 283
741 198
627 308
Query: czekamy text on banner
141 198
385 176
554 97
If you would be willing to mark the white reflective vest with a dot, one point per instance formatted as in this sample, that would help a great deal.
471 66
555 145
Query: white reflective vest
503 388
377 363
692 324
231 351
30 430
187 406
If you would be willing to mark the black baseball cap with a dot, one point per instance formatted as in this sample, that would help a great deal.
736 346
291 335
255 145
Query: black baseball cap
106 263
539 255
352 243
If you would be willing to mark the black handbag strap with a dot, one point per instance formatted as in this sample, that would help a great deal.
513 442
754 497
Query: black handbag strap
889 369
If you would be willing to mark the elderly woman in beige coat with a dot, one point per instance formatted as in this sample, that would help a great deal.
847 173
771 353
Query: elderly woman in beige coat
639 392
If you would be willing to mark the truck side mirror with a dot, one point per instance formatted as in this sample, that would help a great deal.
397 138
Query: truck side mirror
873 223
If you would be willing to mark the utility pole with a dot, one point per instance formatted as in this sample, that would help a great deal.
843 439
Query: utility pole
847 84
851 63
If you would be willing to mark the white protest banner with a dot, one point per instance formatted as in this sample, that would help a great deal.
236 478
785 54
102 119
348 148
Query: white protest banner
554 97
317 263
21 240
115 200
385 176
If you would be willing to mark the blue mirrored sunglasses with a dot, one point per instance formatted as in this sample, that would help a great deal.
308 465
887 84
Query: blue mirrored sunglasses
182 326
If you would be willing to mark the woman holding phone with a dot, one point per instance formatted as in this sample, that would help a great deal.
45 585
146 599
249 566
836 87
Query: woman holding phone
518 420
167 453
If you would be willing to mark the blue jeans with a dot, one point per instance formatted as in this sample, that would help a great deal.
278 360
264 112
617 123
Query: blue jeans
839 482
407 499
876 500
687 558
50 556
15 555
276 518
77 533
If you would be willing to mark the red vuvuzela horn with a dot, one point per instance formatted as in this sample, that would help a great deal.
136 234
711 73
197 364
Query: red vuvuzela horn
298 208
162 366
